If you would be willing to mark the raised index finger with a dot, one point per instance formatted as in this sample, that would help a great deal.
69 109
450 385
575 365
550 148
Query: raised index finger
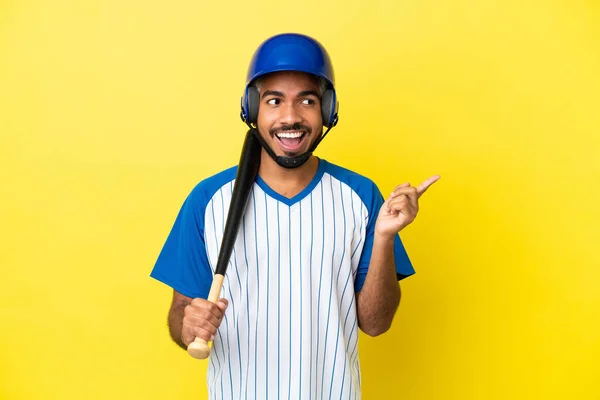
425 185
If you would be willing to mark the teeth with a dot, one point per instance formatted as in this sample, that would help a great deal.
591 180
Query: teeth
289 135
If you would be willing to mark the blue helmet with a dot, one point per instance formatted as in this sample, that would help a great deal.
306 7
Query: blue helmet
291 52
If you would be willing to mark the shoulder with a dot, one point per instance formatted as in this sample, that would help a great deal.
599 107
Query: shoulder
205 190
363 186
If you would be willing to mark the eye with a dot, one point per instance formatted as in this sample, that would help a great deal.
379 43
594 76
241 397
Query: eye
273 102
308 102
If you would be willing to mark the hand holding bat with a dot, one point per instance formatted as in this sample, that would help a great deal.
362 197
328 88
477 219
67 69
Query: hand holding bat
201 319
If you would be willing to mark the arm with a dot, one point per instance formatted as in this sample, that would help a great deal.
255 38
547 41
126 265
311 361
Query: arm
379 298
380 295
190 318
176 314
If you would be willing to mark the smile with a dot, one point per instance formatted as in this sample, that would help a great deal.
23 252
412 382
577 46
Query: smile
291 141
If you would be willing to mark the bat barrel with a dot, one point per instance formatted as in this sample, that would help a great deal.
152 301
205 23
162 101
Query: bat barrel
246 174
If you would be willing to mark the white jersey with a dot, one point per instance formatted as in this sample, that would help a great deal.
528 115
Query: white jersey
290 330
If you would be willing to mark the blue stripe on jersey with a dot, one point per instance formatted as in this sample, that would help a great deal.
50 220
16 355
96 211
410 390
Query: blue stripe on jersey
212 207
247 311
237 328
229 286
228 354
267 330
310 289
330 290
348 344
221 342
343 333
257 300
319 292
278 304
301 303
343 292
220 346
236 323
355 346
290 279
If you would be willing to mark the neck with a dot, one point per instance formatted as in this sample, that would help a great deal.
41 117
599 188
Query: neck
287 182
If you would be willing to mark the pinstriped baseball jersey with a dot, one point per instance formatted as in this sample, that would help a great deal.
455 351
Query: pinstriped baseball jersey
290 330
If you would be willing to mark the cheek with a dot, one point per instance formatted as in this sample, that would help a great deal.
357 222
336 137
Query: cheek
264 123
266 117
316 120
312 117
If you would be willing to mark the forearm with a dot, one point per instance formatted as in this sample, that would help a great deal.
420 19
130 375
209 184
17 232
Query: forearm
175 322
380 295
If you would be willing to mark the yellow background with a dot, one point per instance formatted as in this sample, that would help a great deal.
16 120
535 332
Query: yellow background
110 112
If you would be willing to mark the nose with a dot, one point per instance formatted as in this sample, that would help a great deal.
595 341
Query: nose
289 114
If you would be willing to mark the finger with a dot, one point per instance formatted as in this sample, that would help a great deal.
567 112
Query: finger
408 191
207 310
406 184
400 205
205 304
190 333
412 194
222 304
395 200
425 185
404 211
205 321
205 334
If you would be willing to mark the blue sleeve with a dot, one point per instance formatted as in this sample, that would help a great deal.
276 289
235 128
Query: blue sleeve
373 201
183 263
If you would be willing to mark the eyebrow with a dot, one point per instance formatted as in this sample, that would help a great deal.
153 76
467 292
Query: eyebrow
304 93
272 93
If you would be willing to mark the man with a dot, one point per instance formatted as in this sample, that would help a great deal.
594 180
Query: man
318 253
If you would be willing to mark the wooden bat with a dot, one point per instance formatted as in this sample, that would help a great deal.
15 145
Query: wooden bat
244 179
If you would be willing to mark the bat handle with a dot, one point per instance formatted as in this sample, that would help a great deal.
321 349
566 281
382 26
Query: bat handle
199 347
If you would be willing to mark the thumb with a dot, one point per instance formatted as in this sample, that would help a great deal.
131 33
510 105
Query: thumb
222 304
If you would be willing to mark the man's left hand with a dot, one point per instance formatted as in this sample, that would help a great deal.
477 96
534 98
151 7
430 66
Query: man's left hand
401 208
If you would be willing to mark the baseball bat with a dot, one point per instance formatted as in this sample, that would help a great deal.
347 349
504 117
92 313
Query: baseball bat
244 179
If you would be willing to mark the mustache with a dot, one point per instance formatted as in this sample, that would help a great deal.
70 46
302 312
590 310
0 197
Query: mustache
294 127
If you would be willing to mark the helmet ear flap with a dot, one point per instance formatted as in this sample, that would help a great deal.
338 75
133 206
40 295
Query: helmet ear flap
250 101
329 108
253 100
